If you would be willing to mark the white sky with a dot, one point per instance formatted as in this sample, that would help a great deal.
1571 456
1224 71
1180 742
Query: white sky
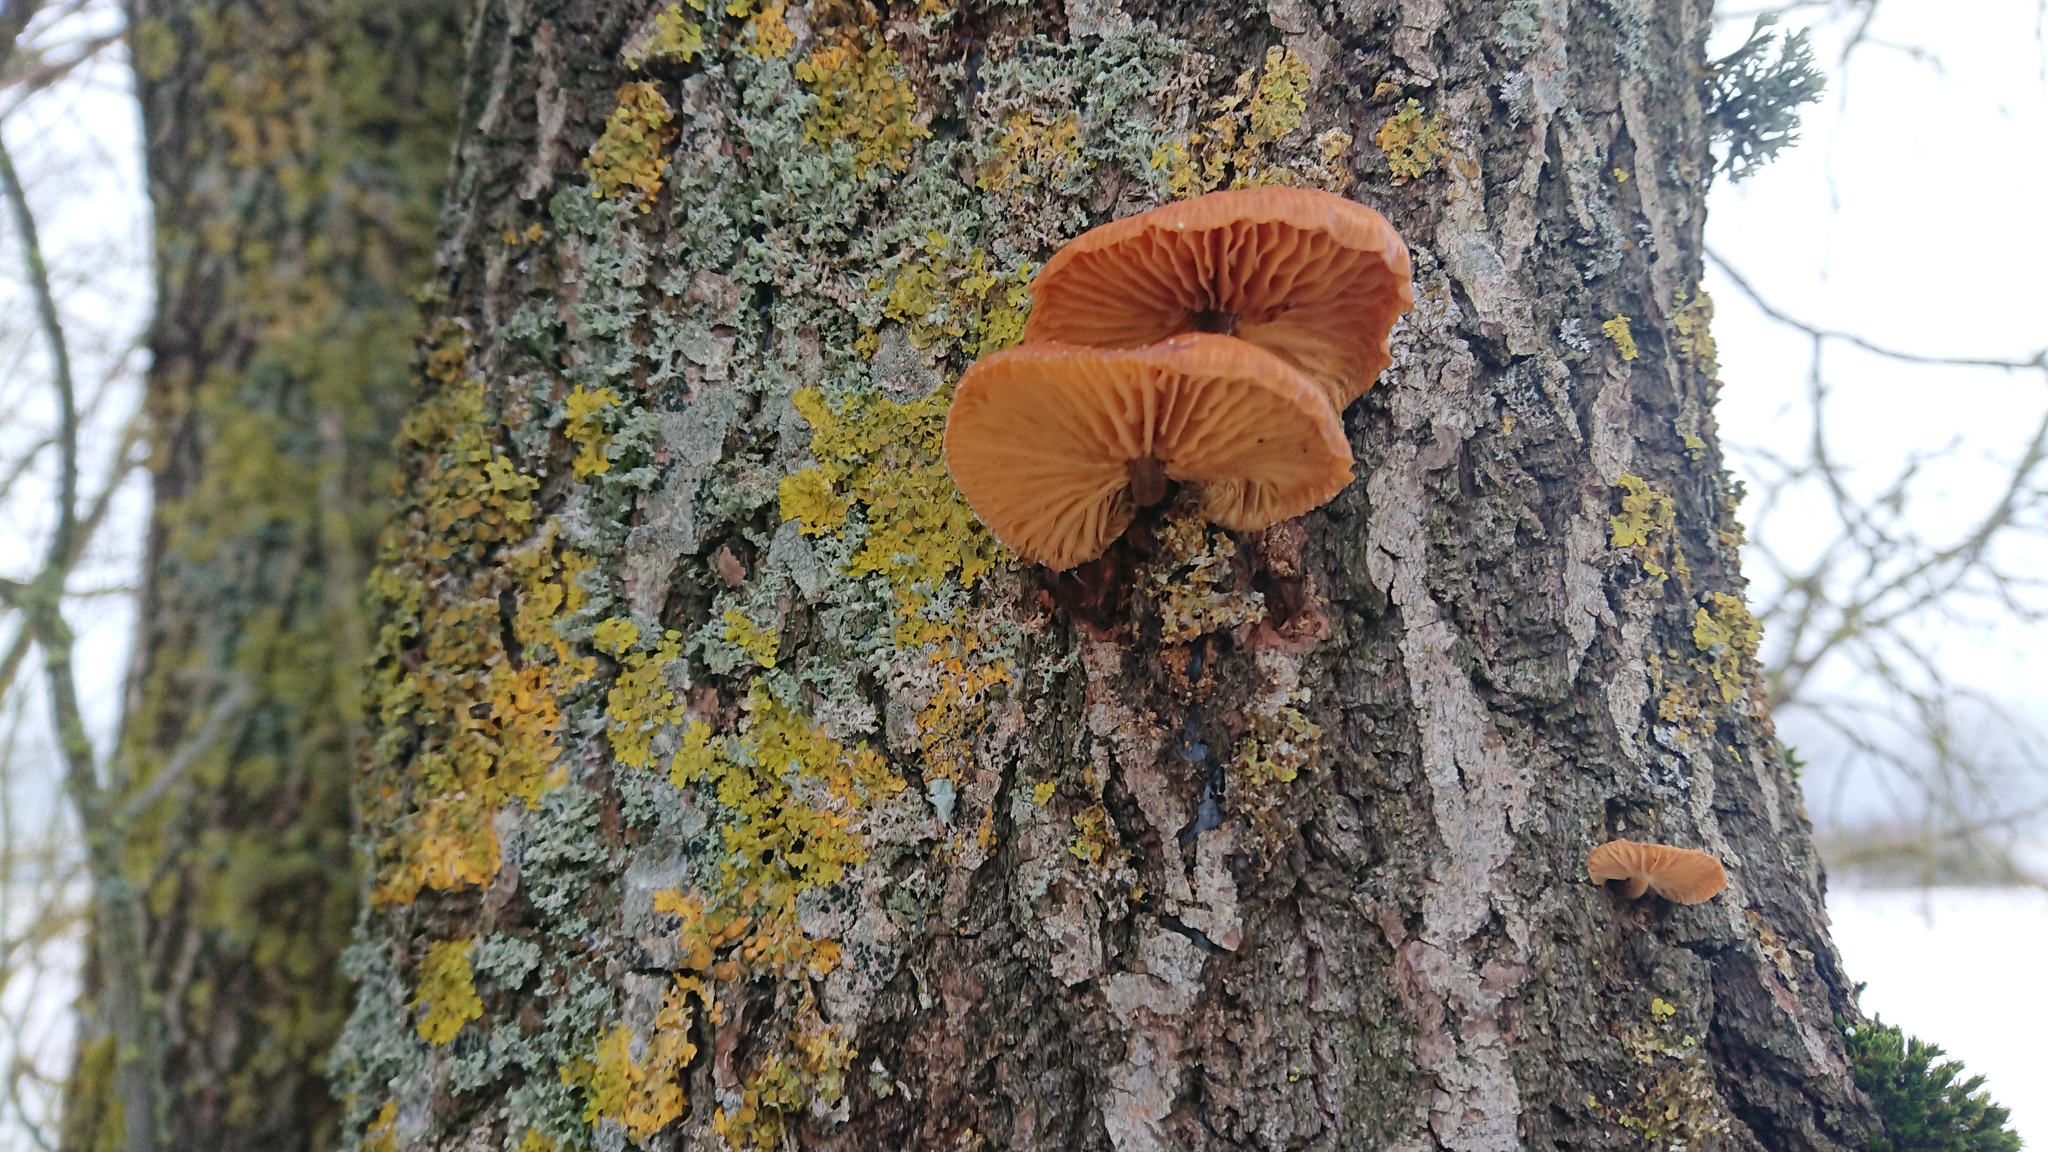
1912 214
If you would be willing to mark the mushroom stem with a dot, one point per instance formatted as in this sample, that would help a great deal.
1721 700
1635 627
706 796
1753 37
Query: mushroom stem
1635 886
1148 481
1216 320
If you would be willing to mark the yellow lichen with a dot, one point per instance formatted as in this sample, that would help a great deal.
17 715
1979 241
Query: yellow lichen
1694 320
791 799
1280 743
1032 152
1042 792
1646 527
888 458
757 642
945 301
585 427
640 703
1414 144
382 1133
1249 141
633 152
1624 341
642 1095
947 723
1280 746
785 1084
676 36
862 99
1728 636
612 637
768 34
777 842
1093 841
472 730
447 996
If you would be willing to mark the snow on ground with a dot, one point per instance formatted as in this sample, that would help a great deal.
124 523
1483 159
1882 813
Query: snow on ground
1962 968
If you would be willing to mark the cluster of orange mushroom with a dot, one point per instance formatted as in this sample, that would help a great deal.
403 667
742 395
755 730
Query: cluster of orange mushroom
1213 342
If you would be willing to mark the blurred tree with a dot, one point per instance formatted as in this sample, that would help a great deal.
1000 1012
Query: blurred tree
294 153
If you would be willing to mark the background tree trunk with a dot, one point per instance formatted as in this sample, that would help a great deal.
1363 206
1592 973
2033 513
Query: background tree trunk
295 153
731 783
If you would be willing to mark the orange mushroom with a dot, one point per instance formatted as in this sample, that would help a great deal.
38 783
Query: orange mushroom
1680 875
1308 275
1055 447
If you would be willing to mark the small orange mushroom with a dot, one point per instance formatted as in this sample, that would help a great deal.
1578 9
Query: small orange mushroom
1308 275
1056 447
1680 875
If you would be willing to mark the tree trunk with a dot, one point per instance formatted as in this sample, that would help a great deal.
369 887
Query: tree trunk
295 152
733 786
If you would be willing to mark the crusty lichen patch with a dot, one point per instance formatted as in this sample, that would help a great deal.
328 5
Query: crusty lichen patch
1414 143
792 799
1671 1101
1193 584
1728 637
1618 331
1253 137
779 651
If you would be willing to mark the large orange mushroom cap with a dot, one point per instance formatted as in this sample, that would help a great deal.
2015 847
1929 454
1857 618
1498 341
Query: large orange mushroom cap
1308 275
1680 875
1055 446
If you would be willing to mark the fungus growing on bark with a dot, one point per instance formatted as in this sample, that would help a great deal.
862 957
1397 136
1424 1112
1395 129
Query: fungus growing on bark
1308 275
1056 447
1680 875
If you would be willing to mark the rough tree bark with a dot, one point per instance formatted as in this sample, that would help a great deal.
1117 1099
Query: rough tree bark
295 152
733 788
